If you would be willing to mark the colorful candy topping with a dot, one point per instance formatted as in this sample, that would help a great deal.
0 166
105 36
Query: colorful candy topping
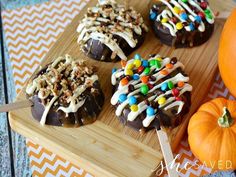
155 84
190 15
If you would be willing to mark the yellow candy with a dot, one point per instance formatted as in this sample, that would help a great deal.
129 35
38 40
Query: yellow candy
164 20
130 66
179 26
129 72
134 108
137 63
159 59
161 100
176 10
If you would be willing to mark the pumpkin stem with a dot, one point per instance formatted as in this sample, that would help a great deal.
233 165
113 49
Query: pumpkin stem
225 120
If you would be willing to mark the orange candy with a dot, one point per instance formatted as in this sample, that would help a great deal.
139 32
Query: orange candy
180 84
145 79
169 66
124 81
123 63
164 72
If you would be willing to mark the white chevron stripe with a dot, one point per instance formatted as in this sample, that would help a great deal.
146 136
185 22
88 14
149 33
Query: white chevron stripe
45 156
50 36
29 54
23 62
43 8
34 150
183 151
69 173
51 167
32 25
40 30
50 12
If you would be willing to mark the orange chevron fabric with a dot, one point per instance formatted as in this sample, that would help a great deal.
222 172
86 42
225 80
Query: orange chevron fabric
30 32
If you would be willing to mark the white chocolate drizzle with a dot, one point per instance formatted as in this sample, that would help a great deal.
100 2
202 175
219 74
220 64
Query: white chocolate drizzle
171 101
108 18
61 85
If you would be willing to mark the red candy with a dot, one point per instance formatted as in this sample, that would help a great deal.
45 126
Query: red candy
178 98
203 5
174 20
150 86
201 14
175 92
140 69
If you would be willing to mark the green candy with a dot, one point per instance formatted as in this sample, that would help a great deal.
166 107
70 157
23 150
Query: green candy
146 71
158 64
209 16
185 1
152 63
170 85
144 89
207 11
155 63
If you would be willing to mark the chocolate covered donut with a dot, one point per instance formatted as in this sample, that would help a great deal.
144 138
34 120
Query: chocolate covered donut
150 93
65 93
110 32
182 23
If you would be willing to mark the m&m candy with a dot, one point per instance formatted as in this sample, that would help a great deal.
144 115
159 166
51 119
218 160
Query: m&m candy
122 98
145 63
153 16
144 79
136 77
150 111
114 70
147 71
129 72
179 26
137 56
132 100
164 87
124 81
144 89
134 108
161 100
137 63
170 85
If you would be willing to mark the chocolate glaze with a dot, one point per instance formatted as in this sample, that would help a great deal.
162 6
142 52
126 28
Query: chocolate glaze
183 38
167 118
85 115
72 81
99 51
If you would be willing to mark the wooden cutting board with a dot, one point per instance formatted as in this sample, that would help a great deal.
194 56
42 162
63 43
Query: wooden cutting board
107 148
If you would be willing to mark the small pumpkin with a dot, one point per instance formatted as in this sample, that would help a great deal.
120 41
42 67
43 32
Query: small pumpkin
227 53
212 134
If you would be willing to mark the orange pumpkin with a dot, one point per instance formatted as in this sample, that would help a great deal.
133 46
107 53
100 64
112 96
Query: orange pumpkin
227 53
212 134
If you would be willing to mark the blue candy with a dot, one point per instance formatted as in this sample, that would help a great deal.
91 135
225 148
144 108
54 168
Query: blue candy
137 56
198 19
150 111
153 16
122 98
191 25
114 70
145 63
132 100
164 87
136 77
184 16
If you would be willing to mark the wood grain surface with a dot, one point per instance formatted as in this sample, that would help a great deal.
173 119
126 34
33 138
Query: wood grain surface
107 148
